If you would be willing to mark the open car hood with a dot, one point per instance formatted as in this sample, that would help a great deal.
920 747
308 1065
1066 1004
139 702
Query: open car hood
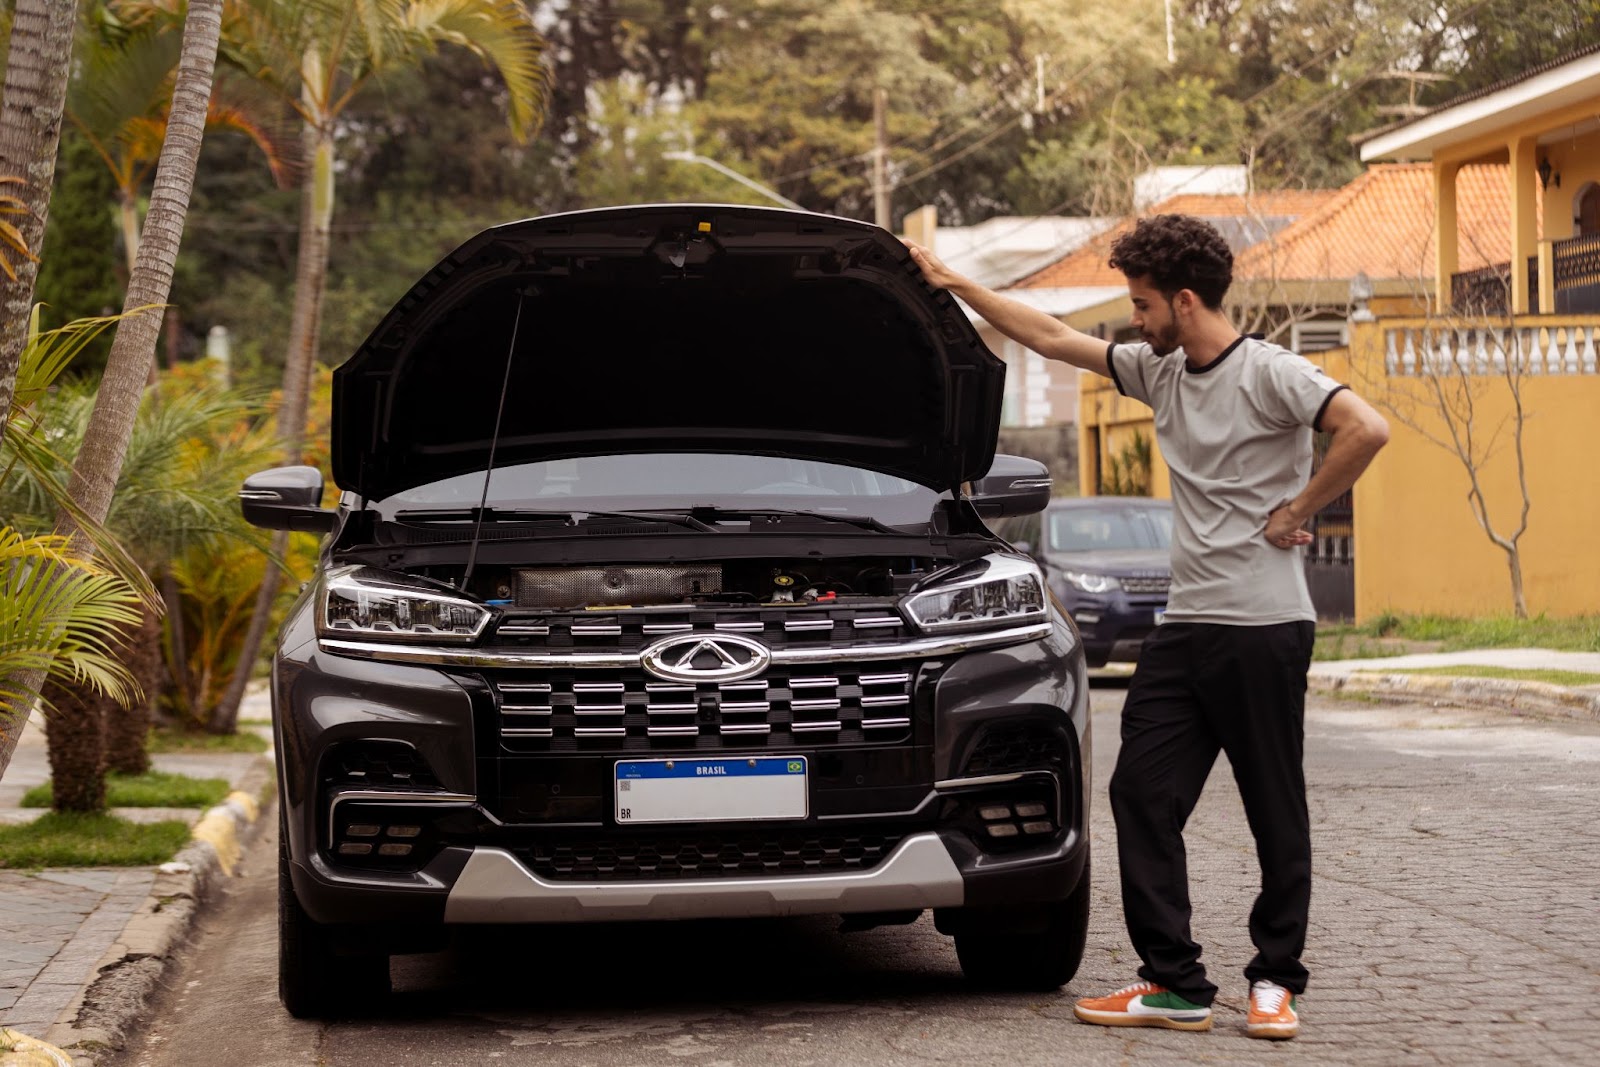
669 328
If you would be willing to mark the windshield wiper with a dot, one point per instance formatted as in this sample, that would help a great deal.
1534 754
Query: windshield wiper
575 518
718 514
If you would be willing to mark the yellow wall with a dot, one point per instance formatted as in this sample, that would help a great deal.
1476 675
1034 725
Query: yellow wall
1577 161
1418 547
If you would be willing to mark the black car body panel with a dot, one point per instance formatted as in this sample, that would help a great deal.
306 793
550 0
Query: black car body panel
737 327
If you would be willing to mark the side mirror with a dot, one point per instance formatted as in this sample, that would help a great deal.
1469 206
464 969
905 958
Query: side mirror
1014 486
286 498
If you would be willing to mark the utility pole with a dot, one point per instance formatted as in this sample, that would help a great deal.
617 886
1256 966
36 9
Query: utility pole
880 157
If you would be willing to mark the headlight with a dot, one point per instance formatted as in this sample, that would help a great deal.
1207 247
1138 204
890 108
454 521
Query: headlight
363 602
994 591
1090 582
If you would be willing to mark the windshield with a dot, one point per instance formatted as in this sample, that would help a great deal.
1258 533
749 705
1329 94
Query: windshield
662 481
1093 529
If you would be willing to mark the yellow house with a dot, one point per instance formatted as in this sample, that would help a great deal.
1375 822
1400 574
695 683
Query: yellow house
1504 357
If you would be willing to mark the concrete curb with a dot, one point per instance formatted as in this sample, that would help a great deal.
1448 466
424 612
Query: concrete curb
117 995
1532 698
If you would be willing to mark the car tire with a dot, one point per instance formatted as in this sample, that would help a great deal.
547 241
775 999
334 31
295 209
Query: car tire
998 952
315 981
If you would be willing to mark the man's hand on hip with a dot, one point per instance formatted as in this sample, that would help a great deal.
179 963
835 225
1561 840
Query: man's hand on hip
1285 530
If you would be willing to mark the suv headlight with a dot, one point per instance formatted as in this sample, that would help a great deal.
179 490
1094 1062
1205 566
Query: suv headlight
1090 582
990 592
364 602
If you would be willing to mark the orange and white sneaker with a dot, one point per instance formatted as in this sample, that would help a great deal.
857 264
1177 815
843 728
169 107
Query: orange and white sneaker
1272 1012
1144 1004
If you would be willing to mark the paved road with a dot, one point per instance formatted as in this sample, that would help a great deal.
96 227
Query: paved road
1455 921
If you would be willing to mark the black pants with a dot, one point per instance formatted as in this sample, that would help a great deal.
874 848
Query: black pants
1198 689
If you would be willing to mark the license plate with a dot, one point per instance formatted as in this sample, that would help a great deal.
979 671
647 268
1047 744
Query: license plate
1160 617
712 790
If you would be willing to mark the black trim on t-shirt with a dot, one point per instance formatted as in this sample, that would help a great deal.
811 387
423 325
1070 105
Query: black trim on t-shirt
1316 423
1214 364
1111 365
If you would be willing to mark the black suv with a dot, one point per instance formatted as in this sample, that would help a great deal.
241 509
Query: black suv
659 588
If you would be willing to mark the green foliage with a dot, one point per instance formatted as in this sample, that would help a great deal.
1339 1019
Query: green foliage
78 268
1129 473
153 789
1576 634
89 840
167 740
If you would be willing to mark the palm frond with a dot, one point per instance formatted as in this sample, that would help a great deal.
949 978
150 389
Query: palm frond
500 32
61 615
122 83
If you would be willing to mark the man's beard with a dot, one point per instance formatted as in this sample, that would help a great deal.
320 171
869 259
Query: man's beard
1164 343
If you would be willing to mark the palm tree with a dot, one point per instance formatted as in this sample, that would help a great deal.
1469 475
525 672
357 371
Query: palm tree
60 613
119 102
184 462
105 444
316 57
37 64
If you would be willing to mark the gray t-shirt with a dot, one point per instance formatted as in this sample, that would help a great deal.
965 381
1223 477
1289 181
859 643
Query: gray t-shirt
1236 435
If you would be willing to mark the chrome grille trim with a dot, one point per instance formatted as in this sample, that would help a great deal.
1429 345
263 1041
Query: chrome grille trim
670 709
808 624
746 728
673 731
816 683
816 727
653 628
740 627
828 704
746 706
525 687
875 623
525 709
885 724
599 709
918 648
516 629
884 679
597 630
664 687
733 687
528 731
887 701
600 731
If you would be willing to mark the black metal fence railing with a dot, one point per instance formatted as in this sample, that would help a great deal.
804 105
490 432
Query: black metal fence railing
1576 271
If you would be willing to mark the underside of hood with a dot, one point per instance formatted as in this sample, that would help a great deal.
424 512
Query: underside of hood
669 328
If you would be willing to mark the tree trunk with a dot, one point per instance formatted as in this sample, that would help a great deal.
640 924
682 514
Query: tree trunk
37 66
1519 600
133 350
311 274
179 670
30 132
127 730
74 726
225 717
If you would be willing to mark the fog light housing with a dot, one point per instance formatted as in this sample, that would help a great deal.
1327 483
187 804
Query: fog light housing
995 811
1030 811
1000 829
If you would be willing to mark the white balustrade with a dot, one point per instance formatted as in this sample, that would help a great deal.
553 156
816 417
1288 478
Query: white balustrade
1409 351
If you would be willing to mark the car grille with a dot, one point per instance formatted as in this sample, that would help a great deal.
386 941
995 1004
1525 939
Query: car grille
675 855
805 627
630 710
1146 585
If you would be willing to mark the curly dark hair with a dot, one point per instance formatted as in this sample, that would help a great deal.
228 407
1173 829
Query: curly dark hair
1177 252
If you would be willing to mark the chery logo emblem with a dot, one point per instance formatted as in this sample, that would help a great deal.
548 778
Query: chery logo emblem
705 658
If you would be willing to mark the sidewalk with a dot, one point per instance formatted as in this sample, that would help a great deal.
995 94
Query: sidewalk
1386 678
66 929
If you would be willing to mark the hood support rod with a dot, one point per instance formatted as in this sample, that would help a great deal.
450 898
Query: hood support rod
499 413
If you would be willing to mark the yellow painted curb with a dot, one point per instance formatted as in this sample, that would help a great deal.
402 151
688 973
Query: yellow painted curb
219 828
20 1050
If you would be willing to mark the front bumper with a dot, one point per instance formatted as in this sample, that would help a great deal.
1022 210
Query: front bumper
497 846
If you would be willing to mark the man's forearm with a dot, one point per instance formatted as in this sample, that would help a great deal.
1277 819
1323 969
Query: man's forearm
1349 454
1029 327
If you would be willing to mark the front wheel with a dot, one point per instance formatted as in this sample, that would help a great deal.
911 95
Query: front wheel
1038 949
314 980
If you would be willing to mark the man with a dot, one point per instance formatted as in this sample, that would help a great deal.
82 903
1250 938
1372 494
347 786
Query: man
1227 669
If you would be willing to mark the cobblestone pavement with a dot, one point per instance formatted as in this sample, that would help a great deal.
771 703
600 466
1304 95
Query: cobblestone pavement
1454 922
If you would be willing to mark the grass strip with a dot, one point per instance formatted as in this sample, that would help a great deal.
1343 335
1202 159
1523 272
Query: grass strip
1518 674
153 789
165 740
74 839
